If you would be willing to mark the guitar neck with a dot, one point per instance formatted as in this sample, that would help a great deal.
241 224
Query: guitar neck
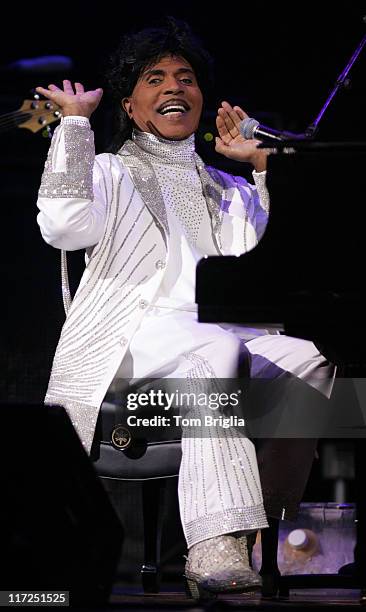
13 120
33 115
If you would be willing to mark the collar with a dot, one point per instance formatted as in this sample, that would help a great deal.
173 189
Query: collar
178 152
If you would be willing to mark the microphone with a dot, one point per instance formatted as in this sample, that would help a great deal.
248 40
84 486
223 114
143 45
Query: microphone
251 128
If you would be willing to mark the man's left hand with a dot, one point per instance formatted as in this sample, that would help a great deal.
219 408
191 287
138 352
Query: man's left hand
232 144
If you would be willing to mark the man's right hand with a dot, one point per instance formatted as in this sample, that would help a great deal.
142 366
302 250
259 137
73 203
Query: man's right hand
78 102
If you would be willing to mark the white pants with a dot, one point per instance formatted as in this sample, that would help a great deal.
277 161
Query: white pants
219 485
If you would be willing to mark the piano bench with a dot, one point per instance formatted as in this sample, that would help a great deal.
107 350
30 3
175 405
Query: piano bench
152 462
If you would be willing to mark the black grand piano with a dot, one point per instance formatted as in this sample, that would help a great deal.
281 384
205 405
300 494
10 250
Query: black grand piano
306 275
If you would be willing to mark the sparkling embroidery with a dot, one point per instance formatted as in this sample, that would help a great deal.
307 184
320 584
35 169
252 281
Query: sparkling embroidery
260 183
227 521
174 163
213 194
92 284
144 179
66 294
83 417
77 181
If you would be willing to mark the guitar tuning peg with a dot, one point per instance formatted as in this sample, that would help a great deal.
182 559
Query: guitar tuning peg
35 95
47 132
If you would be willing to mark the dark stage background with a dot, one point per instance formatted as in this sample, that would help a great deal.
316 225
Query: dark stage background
275 59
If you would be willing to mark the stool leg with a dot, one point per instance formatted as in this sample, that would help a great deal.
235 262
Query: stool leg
153 502
269 569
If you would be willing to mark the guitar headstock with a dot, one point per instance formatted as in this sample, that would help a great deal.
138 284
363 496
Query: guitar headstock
38 114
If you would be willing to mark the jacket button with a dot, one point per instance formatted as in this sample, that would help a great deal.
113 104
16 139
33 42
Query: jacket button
143 304
160 264
123 341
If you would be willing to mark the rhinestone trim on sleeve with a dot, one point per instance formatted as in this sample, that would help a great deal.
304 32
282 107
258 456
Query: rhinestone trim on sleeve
77 181
260 183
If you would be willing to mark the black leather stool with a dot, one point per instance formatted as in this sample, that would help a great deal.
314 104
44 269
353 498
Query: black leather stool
150 455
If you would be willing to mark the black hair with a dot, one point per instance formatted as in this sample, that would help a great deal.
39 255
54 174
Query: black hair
140 50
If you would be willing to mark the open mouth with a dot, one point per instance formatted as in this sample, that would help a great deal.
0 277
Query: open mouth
173 108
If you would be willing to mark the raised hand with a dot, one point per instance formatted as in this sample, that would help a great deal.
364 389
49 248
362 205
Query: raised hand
231 143
78 102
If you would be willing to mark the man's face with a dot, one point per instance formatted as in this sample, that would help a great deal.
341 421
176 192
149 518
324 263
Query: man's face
166 100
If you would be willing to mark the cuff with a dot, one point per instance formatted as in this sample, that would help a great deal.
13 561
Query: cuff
260 183
248 518
75 120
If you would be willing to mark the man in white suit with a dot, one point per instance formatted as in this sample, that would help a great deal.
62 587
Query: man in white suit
146 214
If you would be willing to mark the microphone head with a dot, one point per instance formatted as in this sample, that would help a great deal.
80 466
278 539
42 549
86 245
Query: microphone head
247 127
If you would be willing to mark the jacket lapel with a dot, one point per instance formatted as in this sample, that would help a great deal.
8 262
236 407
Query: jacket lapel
213 192
146 183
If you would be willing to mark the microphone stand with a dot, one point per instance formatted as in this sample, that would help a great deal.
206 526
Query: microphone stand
342 80
312 129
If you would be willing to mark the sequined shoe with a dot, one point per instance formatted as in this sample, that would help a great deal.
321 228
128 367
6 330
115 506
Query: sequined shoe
246 545
218 566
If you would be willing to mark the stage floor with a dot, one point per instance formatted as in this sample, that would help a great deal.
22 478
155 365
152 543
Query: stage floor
342 599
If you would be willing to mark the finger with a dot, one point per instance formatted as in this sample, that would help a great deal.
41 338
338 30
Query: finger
68 87
234 116
99 92
53 87
231 128
231 119
79 88
220 146
94 95
219 143
240 112
45 92
230 124
222 129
